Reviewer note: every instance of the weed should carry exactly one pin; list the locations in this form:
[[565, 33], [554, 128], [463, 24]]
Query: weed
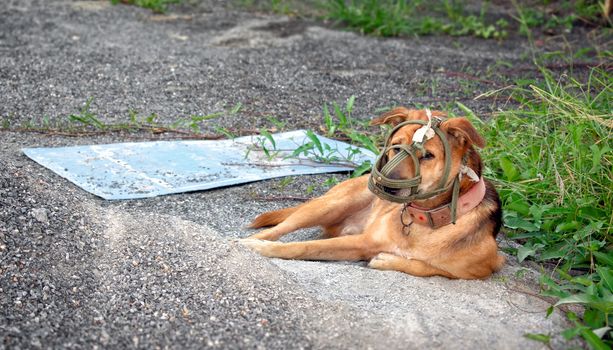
[[395, 17], [338, 124], [267, 144], [419, 17], [279, 125], [331, 181], [310, 189], [284, 182], [87, 118], [557, 16], [193, 122], [402, 18], [87, 122], [227, 133], [280, 6], [543, 338], [553, 159], [159, 6]]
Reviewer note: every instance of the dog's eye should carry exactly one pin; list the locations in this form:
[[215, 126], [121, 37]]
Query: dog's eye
[[426, 156]]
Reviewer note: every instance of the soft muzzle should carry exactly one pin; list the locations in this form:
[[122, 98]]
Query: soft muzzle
[[407, 190], [390, 189]]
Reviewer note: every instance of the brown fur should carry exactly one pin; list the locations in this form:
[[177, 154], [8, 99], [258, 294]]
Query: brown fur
[[272, 218], [363, 227]]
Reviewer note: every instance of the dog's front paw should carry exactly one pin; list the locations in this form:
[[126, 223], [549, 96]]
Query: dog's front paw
[[268, 235], [259, 246], [384, 261]]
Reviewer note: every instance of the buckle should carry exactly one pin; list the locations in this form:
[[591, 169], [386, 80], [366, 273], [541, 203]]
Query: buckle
[[439, 217]]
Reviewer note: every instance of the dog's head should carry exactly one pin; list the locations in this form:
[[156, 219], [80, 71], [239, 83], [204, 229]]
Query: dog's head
[[460, 134]]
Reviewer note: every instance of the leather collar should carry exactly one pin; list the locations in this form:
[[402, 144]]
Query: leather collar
[[441, 216]]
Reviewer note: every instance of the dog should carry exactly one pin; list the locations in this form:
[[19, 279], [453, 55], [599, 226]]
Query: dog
[[396, 227]]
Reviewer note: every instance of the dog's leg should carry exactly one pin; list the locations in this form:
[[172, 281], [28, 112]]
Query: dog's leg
[[302, 216], [354, 247], [385, 261], [316, 212], [332, 208]]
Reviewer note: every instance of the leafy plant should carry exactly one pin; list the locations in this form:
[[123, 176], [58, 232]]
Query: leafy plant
[[553, 157], [338, 124], [86, 117], [267, 144]]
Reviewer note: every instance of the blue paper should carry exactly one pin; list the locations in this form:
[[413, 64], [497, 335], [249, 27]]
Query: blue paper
[[147, 169]]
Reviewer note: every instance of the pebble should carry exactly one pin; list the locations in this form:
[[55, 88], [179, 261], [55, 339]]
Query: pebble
[[40, 214]]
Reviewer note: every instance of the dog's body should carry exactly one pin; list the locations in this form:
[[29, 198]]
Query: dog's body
[[361, 226]]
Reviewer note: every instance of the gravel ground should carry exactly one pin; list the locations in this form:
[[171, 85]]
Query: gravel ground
[[58, 54], [80, 272]]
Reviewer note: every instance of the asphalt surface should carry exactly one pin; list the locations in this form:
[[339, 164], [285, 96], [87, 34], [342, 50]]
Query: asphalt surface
[[79, 272]]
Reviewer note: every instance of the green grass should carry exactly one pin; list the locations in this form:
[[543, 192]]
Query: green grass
[[553, 160], [159, 6], [419, 17], [404, 18], [559, 16], [392, 17]]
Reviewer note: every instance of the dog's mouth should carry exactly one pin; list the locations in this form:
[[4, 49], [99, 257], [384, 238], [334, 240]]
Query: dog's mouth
[[396, 191], [392, 191]]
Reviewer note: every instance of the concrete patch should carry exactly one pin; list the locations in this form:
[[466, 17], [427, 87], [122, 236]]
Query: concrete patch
[[257, 33], [91, 5], [432, 312]]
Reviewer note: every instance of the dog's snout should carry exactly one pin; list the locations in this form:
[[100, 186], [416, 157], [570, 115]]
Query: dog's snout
[[392, 191]]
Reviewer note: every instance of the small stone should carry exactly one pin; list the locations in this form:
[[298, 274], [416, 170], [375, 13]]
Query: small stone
[[104, 337], [36, 343], [40, 214]]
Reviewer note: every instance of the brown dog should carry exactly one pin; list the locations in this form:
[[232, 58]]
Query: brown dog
[[416, 238]]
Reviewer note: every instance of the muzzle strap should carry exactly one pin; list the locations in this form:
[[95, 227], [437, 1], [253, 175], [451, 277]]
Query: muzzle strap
[[387, 188]]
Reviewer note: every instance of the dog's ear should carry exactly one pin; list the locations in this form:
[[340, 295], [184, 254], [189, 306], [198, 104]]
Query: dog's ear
[[464, 131], [401, 114], [393, 117]]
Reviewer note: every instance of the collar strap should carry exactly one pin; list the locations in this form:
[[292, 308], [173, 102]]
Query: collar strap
[[445, 215]]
